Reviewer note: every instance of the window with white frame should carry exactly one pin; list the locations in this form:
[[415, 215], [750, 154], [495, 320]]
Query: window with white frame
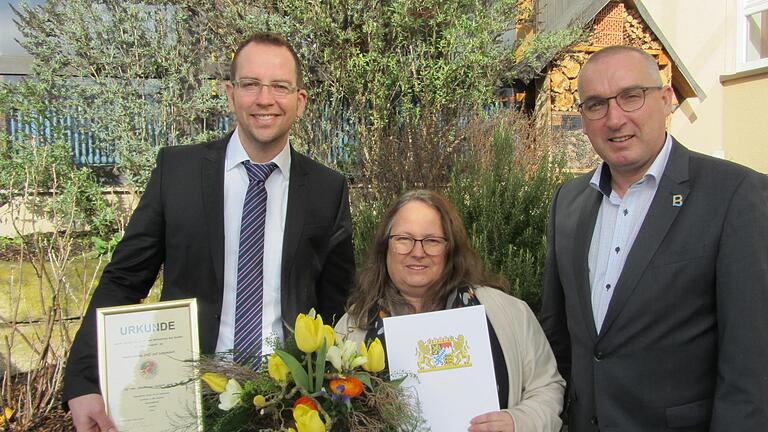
[[752, 36]]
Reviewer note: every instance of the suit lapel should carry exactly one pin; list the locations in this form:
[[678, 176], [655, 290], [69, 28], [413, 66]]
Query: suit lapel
[[583, 239], [674, 185], [294, 215], [213, 203]]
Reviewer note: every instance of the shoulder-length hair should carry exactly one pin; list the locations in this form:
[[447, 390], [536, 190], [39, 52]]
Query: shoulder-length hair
[[374, 289]]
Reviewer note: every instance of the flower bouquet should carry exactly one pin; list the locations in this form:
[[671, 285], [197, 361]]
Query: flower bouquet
[[312, 383]]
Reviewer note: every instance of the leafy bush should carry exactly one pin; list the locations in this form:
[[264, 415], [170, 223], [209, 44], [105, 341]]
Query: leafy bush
[[144, 76], [502, 187], [501, 182]]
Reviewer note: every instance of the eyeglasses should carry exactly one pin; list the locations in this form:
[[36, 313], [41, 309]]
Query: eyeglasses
[[404, 244], [631, 99], [253, 86]]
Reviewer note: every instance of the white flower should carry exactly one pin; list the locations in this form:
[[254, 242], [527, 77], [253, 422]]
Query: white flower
[[348, 350], [351, 355], [334, 356], [358, 361], [344, 356], [231, 395]]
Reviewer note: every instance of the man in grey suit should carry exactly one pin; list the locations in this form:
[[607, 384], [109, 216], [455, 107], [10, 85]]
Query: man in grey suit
[[655, 296], [189, 222]]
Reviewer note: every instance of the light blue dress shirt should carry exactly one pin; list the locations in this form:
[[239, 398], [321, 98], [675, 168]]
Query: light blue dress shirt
[[618, 221]]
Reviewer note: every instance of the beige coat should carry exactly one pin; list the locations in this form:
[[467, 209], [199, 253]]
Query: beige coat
[[535, 387]]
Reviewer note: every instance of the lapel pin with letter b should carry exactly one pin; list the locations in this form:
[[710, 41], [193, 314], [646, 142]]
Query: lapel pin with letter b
[[677, 200]]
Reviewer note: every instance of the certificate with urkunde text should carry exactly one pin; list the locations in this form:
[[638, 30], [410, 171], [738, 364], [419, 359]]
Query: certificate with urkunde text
[[447, 358], [147, 355]]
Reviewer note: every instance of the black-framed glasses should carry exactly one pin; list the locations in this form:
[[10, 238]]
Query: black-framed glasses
[[252, 86], [404, 244], [631, 99]]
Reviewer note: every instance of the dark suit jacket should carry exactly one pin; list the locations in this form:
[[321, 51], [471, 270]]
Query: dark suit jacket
[[685, 339], [179, 225]]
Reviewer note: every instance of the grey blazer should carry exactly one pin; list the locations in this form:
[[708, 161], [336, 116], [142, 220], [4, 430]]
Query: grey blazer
[[685, 339], [179, 225]]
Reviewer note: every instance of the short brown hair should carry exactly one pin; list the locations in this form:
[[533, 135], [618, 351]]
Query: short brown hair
[[463, 265], [650, 62], [268, 38]]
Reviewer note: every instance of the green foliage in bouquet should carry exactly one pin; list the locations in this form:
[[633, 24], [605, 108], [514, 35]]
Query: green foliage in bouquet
[[312, 383]]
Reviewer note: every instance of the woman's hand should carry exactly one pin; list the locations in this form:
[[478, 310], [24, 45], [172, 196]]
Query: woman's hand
[[495, 421]]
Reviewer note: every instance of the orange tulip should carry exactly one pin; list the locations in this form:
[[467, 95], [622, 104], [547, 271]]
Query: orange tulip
[[349, 386], [305, 400]]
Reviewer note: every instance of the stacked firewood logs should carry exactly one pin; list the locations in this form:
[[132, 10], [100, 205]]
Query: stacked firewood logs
[[562, 81], [637, 34]]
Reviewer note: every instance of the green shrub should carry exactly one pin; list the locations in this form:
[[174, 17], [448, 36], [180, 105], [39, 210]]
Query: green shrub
[[501, 183], [502, 187]]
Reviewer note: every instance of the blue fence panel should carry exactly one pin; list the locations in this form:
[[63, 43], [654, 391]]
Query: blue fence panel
[[85, 148], [44, 128]]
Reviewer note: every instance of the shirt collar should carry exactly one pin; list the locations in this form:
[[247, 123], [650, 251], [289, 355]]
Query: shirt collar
[[601, 179], [236, 155]]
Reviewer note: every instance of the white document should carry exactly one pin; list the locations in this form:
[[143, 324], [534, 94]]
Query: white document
[[146, 380], [449, 356]]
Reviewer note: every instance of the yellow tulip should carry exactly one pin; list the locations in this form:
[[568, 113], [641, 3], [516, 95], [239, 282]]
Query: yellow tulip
[[6, 416], [259, 401], [217, 382], [375, 354], [307, 419], [309, 332], [329, 335], [277, 368]]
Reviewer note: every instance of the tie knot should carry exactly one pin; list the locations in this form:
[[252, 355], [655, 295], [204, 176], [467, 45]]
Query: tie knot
[[259, 172]]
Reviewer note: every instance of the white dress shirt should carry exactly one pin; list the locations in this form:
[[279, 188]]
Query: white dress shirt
[[618, 221], [235, 186]]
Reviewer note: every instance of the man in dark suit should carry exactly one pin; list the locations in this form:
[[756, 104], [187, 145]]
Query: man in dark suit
[[188, 221], [655, 293]]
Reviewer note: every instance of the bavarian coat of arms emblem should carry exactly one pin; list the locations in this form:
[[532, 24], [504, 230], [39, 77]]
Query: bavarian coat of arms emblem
[[448, 352]]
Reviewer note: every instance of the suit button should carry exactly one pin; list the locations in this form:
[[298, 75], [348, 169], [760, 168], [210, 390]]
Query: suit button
[[599, 355], [593, 420], [217, 316]]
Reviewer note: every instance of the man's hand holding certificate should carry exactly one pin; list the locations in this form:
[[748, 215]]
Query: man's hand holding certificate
[[144, 366]]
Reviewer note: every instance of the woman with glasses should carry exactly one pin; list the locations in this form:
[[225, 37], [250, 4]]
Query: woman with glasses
[[421, 261]]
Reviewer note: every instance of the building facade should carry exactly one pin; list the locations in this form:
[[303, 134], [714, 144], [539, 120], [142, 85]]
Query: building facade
[[714, 54]]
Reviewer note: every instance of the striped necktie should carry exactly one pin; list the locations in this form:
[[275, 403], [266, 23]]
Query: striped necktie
[[250, 266]]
